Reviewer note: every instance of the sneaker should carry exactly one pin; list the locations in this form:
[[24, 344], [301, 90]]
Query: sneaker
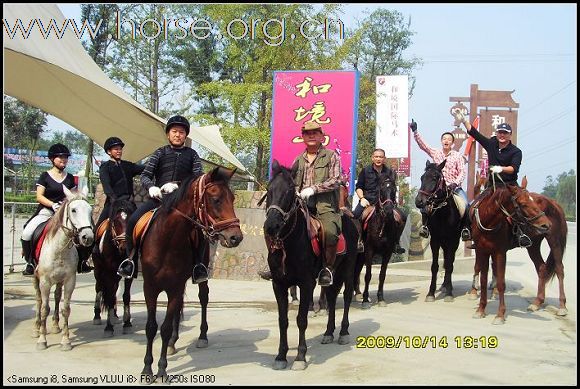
[[325, 277], [199, 274], [265, 274], [424, 233], [399, 249], [126, 268], [360, 246], [29, 270], [465, 234], [524, 241]]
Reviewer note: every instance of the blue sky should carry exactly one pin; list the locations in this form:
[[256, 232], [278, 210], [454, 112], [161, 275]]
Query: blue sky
[[529, 48]]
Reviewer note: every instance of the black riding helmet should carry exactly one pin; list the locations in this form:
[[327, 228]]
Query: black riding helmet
[[112, 142], [177, 120], [58, 149]]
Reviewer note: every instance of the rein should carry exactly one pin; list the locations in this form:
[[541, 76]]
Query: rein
[[74, 232], [276, 242], [431, 205]]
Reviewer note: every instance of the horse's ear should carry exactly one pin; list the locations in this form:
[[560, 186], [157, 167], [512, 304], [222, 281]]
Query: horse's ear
[[85, 191], [427, 164], [221, 174], [294, 170], [442, 165], [275, 167], [69, 195], [525, 182]]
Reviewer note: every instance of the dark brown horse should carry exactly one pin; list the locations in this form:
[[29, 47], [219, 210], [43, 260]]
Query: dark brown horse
[[556, 237], [108, 253], [292, 261], [492, 217], [200, 210], [384, 230]]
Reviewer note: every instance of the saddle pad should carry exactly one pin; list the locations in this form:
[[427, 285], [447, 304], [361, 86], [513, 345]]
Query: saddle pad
[[340, 249], [460, 202], [366, 216], [38, 246], [142, 225], [102, 228]]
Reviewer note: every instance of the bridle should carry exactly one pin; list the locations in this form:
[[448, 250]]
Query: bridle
[[201, 218], [434, 202], [117, 238], [73, 232]]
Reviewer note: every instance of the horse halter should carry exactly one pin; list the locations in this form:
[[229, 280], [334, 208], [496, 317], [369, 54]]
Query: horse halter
[[285, 217], [432, 196], [209, 226], [74, 232], [518, 215], [117, 238]]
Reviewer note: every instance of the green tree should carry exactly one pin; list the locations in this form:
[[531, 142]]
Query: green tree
[[550, 188], [566, 193]]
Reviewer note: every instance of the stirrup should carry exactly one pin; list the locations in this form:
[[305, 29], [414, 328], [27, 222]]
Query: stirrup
[[320, 275], [465, 235], [524, 241], [201, 276], [121, 269], [399, 249], [424, 233]]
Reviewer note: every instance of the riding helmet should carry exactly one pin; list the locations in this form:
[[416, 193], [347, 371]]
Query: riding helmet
[[112, 142], [177, 120], [58, 149]]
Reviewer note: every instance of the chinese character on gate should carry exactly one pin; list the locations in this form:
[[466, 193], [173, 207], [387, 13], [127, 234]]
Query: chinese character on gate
[[306, 85]]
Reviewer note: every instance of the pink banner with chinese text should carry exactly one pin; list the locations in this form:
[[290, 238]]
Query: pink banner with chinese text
[[329, 98]]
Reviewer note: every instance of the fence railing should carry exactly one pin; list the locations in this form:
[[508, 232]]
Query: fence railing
[[15, 215]]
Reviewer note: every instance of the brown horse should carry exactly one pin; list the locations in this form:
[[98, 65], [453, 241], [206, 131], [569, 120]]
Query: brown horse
[[556, 238], [492, 232], [108, 253], [201, 210]]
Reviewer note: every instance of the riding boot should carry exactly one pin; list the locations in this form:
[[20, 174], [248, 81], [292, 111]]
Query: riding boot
[[466, 231], [27, 254], [84, 254], [358, 224], [200, 273], [325, 275]]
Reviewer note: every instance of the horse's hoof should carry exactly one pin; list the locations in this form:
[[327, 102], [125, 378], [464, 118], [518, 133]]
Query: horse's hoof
[[41, 346], [344, 339], [311, 314], [449, 299], [326, 339], [295, 302], [382, 303], [55, 330], [366, 305], [299, 365], [533, 307], [201, 343], [170, 350], [472, 295], [108, 333], [115, 320], [97, 322], [322, 312], [562, 312], [478, 315], [280, 365], [65, 347], [442, 289], [147, 378], [35, 333], [498, 320], [358, 297], [429, 299], [493, 296]]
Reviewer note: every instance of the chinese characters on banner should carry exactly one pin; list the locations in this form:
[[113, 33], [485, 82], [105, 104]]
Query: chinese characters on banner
[[329, 98], [392, 113]]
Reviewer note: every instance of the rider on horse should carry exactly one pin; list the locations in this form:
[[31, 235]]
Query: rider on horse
[[165, 170], [504, 160], [454, 170], [50, 195], [367, 186], [116, 176]]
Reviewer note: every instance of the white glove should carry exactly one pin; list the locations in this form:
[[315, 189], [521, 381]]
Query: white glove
[[364, 202], [155, 193], [169, 187], [459, 117], [496, 169], [306, 193], [55, 206]]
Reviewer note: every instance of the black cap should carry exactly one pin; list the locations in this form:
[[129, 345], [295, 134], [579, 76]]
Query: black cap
[[504, 127], [177, 120], [112, 142]]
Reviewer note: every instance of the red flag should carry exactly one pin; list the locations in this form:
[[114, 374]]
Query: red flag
[[470, 141]]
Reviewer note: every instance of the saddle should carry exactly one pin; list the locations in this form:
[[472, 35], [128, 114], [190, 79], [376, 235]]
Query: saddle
[[370, 211], [316, 231], [37, 239], [143, 225], [460, 203]]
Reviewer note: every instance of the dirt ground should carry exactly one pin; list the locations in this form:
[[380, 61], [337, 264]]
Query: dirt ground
[[434, 339]]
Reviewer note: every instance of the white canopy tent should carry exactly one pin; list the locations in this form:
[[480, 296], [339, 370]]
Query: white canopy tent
[[57, 75]]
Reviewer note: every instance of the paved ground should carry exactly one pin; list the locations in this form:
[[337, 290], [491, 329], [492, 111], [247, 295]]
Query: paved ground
[[533, 348]]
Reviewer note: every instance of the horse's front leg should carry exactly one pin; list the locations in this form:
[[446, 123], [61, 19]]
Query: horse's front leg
[[448, 261], [344, 337], [330, 292], [306, 293], [434, 244], [151, 297], [369, 252], [382, 275], [44, 287], [69, 286], [500, 261], [281, 293], [360, 260], [97, 307], [174, 305], [37, 320], [55, 317], [127, 326], [482, 260], [203, 294]]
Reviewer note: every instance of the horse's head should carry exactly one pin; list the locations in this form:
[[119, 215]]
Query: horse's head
[[387, 192], [281, 199], [120, 212], [75, 216], [433, 187], [526, 210]]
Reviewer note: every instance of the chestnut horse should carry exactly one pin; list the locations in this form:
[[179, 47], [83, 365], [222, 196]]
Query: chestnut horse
[[492, 233], [444, 223], [556, 237], [201, 210], [108, 253], [292, 261]]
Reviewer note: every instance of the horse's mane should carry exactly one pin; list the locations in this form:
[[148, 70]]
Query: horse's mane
[[170, 201]]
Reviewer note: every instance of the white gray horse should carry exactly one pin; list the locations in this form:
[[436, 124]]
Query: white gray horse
[[71, 225]]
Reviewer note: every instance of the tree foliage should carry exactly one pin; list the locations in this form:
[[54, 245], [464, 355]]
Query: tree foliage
[[563, 190]]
